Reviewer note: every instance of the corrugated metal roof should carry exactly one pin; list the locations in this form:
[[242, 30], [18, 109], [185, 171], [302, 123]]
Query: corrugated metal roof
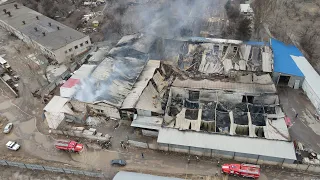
[[84, 71], [159, 80], [150, 100], [276, 129], [111, 81], [147, 73], [283, 62], [311, 76], [57, 104], [147, 122], [138, 42], [255, 146], [249, 88], [122, 175], [69, 88], [54, 38], [70, 83]]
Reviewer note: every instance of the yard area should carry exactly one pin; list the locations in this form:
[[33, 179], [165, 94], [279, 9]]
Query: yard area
[[305, 128]]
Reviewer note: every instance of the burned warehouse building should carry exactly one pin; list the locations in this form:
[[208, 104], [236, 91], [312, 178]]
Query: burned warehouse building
[[204, 96]]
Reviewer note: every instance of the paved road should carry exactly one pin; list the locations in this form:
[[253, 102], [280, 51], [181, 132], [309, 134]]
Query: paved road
[[306, 128]]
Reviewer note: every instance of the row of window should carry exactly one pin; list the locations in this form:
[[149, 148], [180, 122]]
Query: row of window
[[76, 47]]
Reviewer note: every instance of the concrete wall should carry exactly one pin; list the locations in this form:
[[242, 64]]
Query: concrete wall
[[142, 112], [177, 148], [242, 157], [150, 133], [268, 100], [63, 53], [106, 109]]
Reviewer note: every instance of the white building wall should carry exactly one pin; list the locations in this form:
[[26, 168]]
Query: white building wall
[[64, 52], [315, 100]]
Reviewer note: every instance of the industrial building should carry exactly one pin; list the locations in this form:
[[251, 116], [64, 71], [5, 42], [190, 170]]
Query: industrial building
[[53, 39], [209, 97], [286, 72], [292, 69], [220, 102], [245, 9]]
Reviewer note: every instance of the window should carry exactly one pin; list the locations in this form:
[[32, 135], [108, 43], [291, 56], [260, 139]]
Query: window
[[81, 44], [87, 42], [76, 47], [66, 52], [70, 49]]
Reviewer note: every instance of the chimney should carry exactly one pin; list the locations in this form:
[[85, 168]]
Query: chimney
[[49, 24], [16, 6], [23, 22], [35, 28], [9, 13], [37, 17], [5, 11], [44, 34], [58, 27]]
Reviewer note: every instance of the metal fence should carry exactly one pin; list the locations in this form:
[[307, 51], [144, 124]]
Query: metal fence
[[52, 169]]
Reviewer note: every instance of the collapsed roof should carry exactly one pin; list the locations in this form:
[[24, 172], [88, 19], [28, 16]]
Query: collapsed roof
[[113, 78], [220, 56]]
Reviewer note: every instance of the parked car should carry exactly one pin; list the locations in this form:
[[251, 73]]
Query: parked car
[[118, 162], [8, 128], [14, 146]]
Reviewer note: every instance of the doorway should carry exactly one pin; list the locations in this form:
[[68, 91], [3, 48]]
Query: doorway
[[283, 80]]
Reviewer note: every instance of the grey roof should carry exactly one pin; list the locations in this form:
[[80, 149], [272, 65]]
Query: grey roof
[[254, 146], [147, 73], [250, 88], [137, 42], [54, 38], [122, 175], [111, 81], [149, 122]]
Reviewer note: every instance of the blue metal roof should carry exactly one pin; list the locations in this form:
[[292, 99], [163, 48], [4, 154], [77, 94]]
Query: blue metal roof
[[283, 63]]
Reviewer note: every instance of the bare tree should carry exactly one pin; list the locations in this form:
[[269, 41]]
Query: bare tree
[[261, 9]]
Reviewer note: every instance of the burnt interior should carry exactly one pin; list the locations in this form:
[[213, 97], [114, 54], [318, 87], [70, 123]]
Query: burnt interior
[[192, 114]]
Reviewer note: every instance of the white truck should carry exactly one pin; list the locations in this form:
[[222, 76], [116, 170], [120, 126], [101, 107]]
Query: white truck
[[14, 146]]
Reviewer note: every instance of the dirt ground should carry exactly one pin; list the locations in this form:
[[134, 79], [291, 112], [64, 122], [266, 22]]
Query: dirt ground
[[14, 173]]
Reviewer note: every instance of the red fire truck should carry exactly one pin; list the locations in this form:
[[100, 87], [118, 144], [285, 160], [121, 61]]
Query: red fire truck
[[243, 170], [68, 145]]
